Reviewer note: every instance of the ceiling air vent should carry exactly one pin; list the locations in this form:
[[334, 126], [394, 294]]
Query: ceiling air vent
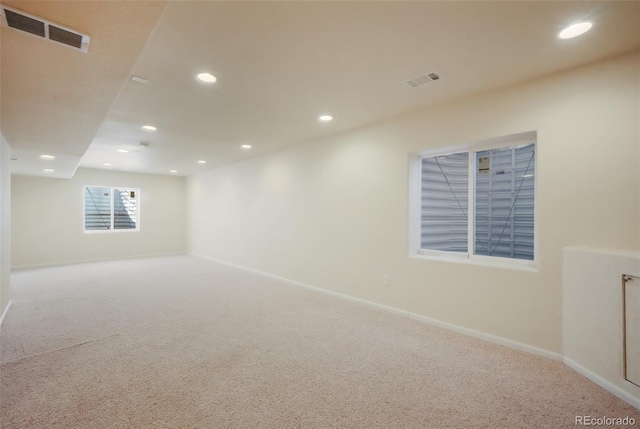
[[45, 29], [421, 80], [24, 23], [67, 37]]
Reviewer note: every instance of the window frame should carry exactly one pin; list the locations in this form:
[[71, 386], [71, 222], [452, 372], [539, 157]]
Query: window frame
[[112, 229], [415, 204]]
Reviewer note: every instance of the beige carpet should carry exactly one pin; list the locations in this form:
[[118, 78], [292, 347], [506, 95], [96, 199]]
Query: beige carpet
[[180, 342]]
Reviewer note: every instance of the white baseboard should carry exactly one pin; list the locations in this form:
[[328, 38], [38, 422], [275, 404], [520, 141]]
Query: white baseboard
[[87, 261], [489, 337], [5, 312], [634, 401], [450, 326]]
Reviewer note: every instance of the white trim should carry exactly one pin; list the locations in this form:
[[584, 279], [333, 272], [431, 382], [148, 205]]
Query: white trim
[[485, 261], [629, 398], [450, 326], [5, 312], [444, 254], [482, 145], [88, 261], [488, 337], [108, 231], [415, 202]]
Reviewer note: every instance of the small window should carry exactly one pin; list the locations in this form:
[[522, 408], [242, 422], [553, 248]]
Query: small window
[[479, 202], [109, 209]]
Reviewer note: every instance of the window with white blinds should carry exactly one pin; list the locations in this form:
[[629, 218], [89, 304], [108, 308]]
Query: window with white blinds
[[110, 209], [499, 222]]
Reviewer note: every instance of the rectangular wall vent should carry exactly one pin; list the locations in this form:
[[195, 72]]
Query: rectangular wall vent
[[67, 37], [45, 29], [24, 23], [421, 80]]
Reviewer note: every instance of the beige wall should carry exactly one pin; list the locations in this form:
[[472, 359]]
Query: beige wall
[[48, 224], [5, 223], [592, 317], [333, 213]]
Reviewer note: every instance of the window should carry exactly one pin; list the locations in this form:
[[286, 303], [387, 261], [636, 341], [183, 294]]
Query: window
[[109, 209], [479, 202], [445, 203]]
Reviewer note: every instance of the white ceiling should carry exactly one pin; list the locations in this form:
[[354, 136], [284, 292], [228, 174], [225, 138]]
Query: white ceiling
[[279, 66], [54, 98]]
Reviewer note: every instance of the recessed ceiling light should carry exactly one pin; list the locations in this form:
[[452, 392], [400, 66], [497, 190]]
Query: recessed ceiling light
[[123, 150], [173, 171], [206, 77], [325, 118], [246, 146], [149, 128], [107, 164], [575, 30], [139, 79], [47, 157], [202, 162], [48, 170]]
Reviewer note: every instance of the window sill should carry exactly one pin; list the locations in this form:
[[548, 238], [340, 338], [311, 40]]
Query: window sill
[[109, 231], [485, 261]]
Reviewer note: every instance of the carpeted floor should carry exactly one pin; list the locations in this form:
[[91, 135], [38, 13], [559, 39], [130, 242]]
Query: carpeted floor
[[180, 342]]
